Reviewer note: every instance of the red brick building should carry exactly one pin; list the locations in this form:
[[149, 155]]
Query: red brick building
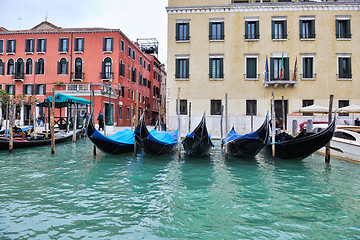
[[75, 61]]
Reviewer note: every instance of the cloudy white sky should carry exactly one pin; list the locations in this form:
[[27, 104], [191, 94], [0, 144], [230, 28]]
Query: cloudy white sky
[[136, 18]]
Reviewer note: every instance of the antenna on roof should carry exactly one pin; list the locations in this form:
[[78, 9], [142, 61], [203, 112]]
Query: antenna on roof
[[19, 21], [46, 16]]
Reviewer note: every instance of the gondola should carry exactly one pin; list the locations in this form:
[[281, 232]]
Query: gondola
[[155, 142], [250, 144], [302, 145], [120, 142], [198, 142], [41, 139]]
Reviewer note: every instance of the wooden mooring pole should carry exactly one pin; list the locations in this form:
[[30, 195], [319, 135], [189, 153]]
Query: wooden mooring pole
[[221, 126], [178, 113], [52, 131], [273, 125], [11, 122], [327, 146], [136, 120], [226, 126], [92, 99], [189, 116], [283, 113], [75, 123]]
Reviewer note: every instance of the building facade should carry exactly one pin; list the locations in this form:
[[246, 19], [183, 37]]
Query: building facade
[[302, 51], [76, 61]]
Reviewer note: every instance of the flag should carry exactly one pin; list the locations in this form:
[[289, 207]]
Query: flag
[[295, 69], [282, 67], [266, 73]]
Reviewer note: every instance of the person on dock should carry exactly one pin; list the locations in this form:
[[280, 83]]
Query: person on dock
[[357, 122], [101, 121]]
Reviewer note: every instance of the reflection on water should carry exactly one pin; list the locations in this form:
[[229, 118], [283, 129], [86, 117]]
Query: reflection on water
[[74, 194]]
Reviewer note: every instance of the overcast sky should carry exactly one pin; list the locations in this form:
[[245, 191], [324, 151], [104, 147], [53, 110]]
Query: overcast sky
[[136, 18]]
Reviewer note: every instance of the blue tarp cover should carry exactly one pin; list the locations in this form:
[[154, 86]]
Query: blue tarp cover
[[163, 137], [125, 137], [192, 134], [233, 135]]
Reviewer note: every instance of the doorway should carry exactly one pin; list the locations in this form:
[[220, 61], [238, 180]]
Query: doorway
[[279, 114], [108, 114]]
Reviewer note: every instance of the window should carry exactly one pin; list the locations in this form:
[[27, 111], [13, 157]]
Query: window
[[216, 67], [343, 103], [63, 66], [128, 95], [307, 29], [308, 67], [19, 69], [251, 68], [128, 114], [10, 67], [182, 31], [29, 66], [183, 107], [40, 89], [79, 45], [182, 68], [41, 46], [11, 46], [122, 68], [140, 61], [144, 65], [133, 55], [40, 67], [122, 45], [106, 69], [344, 67], [122, 91], [108, 44], [28, 89], [132, 95], [10, 88], [279, 29], [2, 67], [216, 30], [252, 30], [343, 29], [133, 75], [215, 107], [78, 69], [149, 68], [63, 44], [120, 112], [251, 107], [140, 79], [1, 46], [275, 69], [129, 52], [29, 45], [306, 103]]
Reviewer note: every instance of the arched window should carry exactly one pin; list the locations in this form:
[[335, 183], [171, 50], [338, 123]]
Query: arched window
[[10, 67], [2, 66], [106, 68], [40, 66], [63, 66], [29, 66], [78, 68], [19, 68]]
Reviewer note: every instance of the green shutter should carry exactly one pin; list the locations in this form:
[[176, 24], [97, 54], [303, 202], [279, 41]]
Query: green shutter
[[112, 44], [312, 29], [177, 31], [36, 68], [337, 28], [32, 89], [271, 69], [349, 67], [177, 68], [2, 68], [60, 45], [66, 67], [24, 89], [221, 67], [246, 30], [210, 68], [44, 92], [304, 67], [300, 29], [187, 31], [67, 44], [102, 68], [222, 30], [38, 45], [44, 45], [257, 30], [309, 68], [273, 30], [348, 29], [83, 44], [210, 30], [59, 67], [187, 68], [104, 42], [286, 68], [15, 46], [285, 29]]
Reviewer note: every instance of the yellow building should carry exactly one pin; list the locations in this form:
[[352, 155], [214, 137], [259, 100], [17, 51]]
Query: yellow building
[[248, 49]]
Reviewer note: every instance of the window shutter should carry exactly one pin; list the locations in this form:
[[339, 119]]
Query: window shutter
[[210, 68], [36, 89], [177, 68], [286, 68], [104, 42], [44, 45], [177, 31], [66, 67], [309, 68], [348, 29], [67, 44], [187, 68], [272, 29], [112, 45], [341, 67], [349, 67], [271, 69], [15, 46], [16, 67], [304, 68], [24, 89], [32, 89], [60, 47], [187, 31], [257, 30], [222, 30], [246, 29], [38, 45], [285, 29], [83, 44], [102, 68], [2, 66], [36, 68], [312, 29], [44, 89], [210, 30], [123, 70], [221, 67], [300, 29], [59, 67], [337, 28]]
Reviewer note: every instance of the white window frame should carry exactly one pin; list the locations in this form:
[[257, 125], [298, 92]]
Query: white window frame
[[341, 55], [307, 55], [257, 65]]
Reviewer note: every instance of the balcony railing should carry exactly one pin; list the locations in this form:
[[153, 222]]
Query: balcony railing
[[182, 38], [77, 76], [216, 76], [279, 36], [18, 76], [343, 35], [252, 36], [344, 76], [217, 37], [307, 36], [77, 87], [106, 75]]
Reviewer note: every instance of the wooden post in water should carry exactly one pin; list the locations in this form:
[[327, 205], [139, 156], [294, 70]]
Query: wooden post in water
[[7, 118], [189, 116], [221, 125], [75, 123], [178, 113], [273, 125], [52, 131], [226, 126], [136, 120], [11, 119], [327, 146], [93, 112], [283, 113], [252, 117], [34, 116]]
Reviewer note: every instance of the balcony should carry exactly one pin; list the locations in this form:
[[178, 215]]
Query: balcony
[[106, 76], [18, 77], [77, 88], [77, 76], [285, 83]]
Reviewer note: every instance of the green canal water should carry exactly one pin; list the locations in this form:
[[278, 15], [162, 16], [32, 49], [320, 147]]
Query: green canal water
[[75, 195]]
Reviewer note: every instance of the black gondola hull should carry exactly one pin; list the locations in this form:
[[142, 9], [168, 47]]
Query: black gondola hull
[[196, 148], [156, 148]]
